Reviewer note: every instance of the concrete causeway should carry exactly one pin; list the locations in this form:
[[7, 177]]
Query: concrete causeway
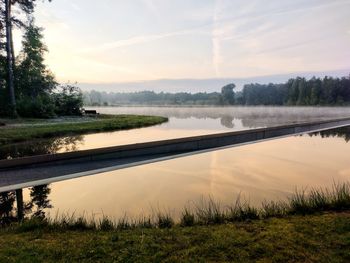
[[44, 169]]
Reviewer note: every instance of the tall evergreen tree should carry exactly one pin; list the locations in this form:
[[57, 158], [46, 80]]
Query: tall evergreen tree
[[302, 94], [34, 78], [35, 81], [7, 20], [9, 56], [228, 95]]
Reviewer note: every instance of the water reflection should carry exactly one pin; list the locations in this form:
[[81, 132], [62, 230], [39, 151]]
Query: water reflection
[[40, 200], [36, 206], [250, 117], [264, 171], [227, 121], [339, 133], [38, 147], [183, 122], [7, 208]]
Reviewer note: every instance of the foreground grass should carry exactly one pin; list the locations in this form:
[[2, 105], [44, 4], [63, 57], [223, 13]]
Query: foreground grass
[[314, 238], [30, 129], [313, 227]]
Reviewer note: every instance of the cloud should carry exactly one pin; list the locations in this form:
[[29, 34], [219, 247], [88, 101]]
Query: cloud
[[151, 6], [75, 7], [141, 39], [216, 41], [219, 38]]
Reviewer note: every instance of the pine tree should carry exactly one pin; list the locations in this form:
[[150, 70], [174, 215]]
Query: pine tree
[[34, 78]]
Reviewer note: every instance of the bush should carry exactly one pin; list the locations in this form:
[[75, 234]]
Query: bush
[[69, 101], [40, 107], [3, 102]]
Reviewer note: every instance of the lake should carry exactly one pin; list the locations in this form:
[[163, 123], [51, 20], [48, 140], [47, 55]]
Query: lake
[[270, 170], [183, 122]]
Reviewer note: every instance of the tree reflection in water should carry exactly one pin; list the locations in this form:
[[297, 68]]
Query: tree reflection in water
[[339, 133], [39, 147], [35, 207], [40, 200], [7, 210], [39, 195], [227, 121]]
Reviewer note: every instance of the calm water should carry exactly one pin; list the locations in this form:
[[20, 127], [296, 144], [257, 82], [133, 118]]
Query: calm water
[[268, 170], [264, 171], [183, 122]]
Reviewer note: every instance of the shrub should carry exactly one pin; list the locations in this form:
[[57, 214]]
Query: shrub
[[40, 107], [69, 101]]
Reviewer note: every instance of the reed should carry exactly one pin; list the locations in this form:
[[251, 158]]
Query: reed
[[206, 212]]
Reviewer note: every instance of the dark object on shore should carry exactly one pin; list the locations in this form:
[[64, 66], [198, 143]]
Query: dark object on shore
[[91, 112], [2, 124]]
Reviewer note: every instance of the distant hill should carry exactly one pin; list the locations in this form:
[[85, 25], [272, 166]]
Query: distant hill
[[201, 85]]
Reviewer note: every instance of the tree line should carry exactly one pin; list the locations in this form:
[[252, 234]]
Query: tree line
[[96, 98], [27, 87], [327, 91], [299, 91]]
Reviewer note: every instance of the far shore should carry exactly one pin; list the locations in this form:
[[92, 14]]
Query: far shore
[[213, 106], [20, 130]]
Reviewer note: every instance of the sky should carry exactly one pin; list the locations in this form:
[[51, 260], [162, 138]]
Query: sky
[[110, 41]]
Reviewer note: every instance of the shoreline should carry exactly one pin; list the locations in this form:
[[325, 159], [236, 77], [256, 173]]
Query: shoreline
[[293, 230], [16, 131]]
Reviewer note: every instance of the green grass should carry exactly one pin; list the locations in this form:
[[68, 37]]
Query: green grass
[[45, 129], [308, 227], [314, 238], [206, 212]]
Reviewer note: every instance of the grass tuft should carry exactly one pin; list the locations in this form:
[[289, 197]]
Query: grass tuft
[[164, 220], [209, 212], [205, 212], [187, 217], [273, 209], [242, 211], [106, 224]]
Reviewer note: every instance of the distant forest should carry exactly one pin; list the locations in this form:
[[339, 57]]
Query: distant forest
[[295, 92]]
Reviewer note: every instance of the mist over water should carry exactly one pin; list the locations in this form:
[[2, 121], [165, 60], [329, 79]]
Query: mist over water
[[270, 170], [264, 171], [251, 117], [183, 122]]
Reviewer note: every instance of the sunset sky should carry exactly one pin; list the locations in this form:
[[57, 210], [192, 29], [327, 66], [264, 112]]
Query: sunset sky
[[131, 40]]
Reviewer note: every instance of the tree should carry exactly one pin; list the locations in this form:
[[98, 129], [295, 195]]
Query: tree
[[298, 91], [293, 91], [9, 56], [35, 82], [316, 91], [6, 21], [34, 78], [302, 94], [228, 95], [69, 101]]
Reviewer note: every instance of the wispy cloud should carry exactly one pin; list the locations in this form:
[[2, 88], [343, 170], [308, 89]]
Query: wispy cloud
[[191, 38], [216, 41], [151, 5], [75, 7], [135, 41]]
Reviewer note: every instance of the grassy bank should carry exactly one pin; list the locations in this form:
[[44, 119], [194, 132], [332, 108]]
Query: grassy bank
[[312, 227], [314, 238], [27, 129]]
